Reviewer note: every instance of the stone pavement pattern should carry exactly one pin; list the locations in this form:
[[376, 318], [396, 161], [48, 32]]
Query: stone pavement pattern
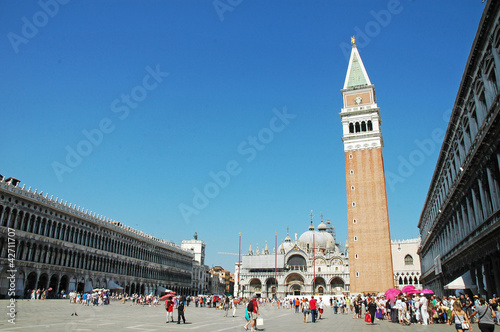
[[55, 315]]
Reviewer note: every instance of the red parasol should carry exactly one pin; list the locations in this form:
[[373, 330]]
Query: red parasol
[[165, 297]]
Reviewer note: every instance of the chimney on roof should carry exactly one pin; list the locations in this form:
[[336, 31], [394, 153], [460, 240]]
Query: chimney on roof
[[12, 181]]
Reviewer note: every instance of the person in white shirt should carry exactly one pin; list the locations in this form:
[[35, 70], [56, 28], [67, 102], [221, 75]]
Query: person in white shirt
[[423, 310], [321, 306]]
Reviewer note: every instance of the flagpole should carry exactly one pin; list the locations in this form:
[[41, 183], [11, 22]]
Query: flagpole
[[239, 267], [314, 260], [276, 259]]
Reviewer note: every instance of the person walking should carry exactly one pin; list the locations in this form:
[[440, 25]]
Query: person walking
[[372, 308], [247, 316], [321, 306], [235, 304], [313, 305], [486, 315], [225, 305], [459, 317], [306, 310], [253, 311]]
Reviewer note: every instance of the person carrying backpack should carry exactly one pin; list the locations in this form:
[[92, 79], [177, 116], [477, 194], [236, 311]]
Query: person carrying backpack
[[253, 312], [181, 307]]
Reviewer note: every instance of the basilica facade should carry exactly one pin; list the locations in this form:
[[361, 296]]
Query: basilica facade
[[311, 264]]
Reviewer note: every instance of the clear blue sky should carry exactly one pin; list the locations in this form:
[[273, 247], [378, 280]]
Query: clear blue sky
[[170, 91]]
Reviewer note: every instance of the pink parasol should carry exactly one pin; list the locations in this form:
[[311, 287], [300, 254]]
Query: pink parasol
[[426, 291], [408, 288], [392, 293], [49, 289], [413, 291]]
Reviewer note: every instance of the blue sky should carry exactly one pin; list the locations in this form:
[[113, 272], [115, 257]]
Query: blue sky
[[132, 108]]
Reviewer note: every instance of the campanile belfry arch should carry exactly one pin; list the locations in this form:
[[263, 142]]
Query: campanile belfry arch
[[367, 211]]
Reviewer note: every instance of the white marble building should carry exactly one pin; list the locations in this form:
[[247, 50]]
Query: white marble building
[[406, 263], [311, 264]]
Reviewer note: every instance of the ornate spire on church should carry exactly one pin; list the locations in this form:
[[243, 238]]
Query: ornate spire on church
[[257, 251], [196, 235], [288, 239], [266, 250], [250, 251], [311, 227]]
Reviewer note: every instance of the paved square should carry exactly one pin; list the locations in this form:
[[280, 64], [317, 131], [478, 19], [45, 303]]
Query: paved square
[[56, 315]]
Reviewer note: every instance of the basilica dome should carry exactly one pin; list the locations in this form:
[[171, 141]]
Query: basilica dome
[[311, 239], [286, 246]]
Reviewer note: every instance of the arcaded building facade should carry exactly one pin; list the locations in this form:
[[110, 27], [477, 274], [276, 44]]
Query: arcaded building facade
[[59, 246], [367, 210], [459, 224]]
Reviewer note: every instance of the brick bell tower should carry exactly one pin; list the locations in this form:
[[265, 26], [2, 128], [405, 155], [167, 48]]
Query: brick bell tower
[[370, 258]]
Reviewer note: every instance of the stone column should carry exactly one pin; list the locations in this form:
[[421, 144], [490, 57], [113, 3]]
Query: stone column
[[480, 279], [489, 89], [490, 283], [475, 207], [494, 190], [473, 275], [7, 218], [480, 109], [2, 213], [12, 220], [467, 139], [496, 58], [484, 202], [472, 126], [496, 272]]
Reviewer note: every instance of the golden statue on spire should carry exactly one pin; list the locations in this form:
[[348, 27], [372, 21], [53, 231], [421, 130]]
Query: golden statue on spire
[[353, 40]]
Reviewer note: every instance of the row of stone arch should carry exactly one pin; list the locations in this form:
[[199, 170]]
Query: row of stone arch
[[59, 230], [60, 283], [73, 258], [408, 280], [360, 126], [294, 283]]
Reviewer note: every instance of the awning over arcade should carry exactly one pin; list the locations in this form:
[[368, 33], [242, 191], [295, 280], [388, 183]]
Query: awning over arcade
[[113, 285], [162, 289], [462, 282]]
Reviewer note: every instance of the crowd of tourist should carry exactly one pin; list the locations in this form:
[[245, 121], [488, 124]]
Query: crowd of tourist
[[459, 311], [405, 310]]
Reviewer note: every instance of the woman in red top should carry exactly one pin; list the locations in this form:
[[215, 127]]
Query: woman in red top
[[169, 305]]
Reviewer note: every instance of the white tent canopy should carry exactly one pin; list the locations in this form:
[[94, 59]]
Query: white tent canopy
[[162, 289], [462, 282], [114, 285]]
